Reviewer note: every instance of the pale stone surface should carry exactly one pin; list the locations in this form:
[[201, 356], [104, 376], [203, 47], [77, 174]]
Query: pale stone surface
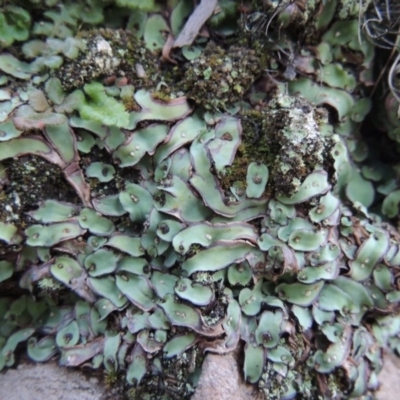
[[221, 380], [48, 382], [390, 379]]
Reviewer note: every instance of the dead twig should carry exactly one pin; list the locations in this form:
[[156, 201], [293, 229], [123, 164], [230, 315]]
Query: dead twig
[[193, 25]]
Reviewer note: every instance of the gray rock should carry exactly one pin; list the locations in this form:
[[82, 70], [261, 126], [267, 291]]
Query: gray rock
[[48, 382], [221, 379], [389, 378]]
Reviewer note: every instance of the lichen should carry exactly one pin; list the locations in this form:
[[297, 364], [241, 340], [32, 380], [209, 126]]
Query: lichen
[[286, 137], [294, 131], [108, 53]]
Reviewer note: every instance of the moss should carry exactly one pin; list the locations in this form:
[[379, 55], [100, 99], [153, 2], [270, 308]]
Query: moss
[[194, 249], [112, 379], [49, 286], [130, 104], [283, 135], [32, 180], [300, 376], [121, 177], [177, 382], [255, 147], [293, 131], [219, 78], [100, 107], [270, 137], [163, 95], [109, 52]]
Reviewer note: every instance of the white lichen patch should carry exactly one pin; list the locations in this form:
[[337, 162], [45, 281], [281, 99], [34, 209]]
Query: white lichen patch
[[103, 46], [98, 60], [104, 57], [295, 133]]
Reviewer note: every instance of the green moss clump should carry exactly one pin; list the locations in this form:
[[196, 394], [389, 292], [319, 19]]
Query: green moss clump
[[219, 78], [254, 148], [34, 180], [109, 53], [285, 137], [49, 286], [101, 107], [178, 380]]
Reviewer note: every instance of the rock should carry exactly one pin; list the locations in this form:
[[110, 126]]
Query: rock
[[49, 382], [221, 379], [389, 378]]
